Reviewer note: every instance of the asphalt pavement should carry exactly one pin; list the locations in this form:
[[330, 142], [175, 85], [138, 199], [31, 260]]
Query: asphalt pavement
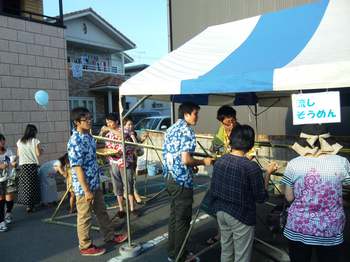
[[31, 239]]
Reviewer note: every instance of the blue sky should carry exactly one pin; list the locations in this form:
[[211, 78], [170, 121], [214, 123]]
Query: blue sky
[[143, 21]]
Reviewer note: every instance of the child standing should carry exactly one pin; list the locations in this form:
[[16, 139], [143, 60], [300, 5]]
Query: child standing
[[7, 186], [66, 171], [86, 183]]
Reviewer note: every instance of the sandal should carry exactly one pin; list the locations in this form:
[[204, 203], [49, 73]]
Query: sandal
[[141, 203]]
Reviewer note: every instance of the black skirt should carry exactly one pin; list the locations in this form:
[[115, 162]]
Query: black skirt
[[28, 185]]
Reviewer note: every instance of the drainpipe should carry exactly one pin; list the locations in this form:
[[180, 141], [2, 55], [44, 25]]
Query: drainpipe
[[61, 12], [170, 27], [110, 102]]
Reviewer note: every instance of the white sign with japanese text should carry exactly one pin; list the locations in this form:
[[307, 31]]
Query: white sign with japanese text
[[316, 108]]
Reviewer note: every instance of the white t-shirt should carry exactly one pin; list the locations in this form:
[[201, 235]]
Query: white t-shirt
[[26, 152]]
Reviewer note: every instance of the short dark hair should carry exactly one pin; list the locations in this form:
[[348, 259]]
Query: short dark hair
[[29, 133], [224, 112], [242, 138], [77, 113], [2, 137], [113, 117], [187, 108], [126, 119]]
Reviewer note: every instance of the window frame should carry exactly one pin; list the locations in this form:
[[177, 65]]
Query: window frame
[[87, 99]]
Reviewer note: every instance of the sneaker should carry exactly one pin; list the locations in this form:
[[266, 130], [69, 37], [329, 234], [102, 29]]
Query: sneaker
[[92, 251], [8, 218], [3, 226], [119, 238]]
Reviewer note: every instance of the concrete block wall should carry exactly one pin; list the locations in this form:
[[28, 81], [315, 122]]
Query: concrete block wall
[[32, 58]]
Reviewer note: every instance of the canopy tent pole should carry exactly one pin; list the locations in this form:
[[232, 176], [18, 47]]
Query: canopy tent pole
[[256, 119], [124, 168], [172, 112], [129, 250]]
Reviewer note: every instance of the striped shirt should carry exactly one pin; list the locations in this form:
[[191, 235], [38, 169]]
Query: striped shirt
[[316, 216]]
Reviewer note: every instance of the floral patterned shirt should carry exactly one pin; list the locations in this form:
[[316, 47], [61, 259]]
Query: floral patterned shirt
[[179, 138], [316, 216], [82, 152], [129, 150]]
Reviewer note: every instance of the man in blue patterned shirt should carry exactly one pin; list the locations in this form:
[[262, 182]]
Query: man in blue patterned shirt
[[86, 184], [178, 165]]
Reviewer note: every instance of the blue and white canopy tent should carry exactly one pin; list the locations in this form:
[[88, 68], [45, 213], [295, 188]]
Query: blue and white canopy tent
[[302, 48], [272, 55]]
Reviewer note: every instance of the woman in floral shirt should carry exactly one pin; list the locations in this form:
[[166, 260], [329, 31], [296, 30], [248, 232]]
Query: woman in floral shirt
[[117, 166], [314, 182]]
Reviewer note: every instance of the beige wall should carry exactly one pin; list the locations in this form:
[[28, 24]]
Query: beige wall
[[190, 17], [32, 57], [35, 6]]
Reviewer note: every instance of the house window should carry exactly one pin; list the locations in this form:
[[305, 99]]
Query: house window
[[84, 28], [157, 105], [87, 102]]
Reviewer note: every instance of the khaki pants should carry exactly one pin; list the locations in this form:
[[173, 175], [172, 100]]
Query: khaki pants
[[84, 217]]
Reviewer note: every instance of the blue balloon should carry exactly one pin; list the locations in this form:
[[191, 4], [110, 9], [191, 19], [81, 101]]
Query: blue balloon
[[42, 98]]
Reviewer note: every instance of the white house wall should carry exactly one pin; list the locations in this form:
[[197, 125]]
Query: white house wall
[[94, 35], [117, 61]]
